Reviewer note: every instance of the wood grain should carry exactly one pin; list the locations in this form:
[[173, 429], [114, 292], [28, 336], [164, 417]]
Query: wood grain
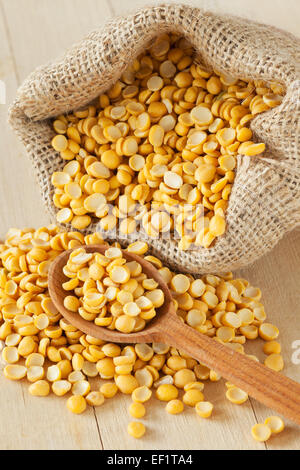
[[16, 179], [47, 27], [31, 33]]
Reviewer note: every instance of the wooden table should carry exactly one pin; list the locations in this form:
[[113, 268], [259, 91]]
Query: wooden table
[[31, 33]]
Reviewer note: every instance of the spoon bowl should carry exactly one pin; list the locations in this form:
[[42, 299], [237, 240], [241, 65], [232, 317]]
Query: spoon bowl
[[58, 294], [265, 385]]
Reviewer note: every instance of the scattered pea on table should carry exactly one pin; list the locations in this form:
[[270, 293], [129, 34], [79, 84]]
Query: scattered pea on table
[[40, 346]]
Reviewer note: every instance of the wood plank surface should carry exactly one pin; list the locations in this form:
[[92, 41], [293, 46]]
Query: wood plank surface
[[31, 33], [19, 196]]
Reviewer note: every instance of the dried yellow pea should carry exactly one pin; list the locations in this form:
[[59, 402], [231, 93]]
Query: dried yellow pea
[[174, 407], [236, 395], [204, 409], [15, 372], [41, 388], [275, 423], [261, 432], [76, 404], [136, 429], [137, 410]]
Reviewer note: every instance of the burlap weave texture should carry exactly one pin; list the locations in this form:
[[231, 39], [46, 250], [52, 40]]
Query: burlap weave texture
[[265, 200]]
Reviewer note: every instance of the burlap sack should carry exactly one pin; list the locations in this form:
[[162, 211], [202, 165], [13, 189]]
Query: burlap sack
[[265, 200]]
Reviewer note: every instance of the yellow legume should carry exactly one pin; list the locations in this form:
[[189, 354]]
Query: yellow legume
[[268, 332], [60, 143], [137, 410], [236, 395], [41, 388], [275, 423], [61, 387], [192, 397], [136, 429], [204, 409], [95, 398], [274, 361], [183, 377], [166, 392], [272, 347], [82, 387], [10, 354], [126, 383], [261, 432], [35, 373], [174, 407], [15, 372], [71, 303], [76, 404], [141, 394]]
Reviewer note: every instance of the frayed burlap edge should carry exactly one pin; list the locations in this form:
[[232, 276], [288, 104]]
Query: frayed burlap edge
[[265, 200]]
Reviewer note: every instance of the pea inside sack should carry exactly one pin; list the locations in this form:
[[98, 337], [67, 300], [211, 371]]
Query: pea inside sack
[[158, 152]]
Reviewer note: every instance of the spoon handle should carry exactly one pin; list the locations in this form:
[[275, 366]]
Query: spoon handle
[[265, 385]]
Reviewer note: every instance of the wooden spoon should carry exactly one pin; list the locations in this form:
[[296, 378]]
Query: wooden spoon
[[270, 388]]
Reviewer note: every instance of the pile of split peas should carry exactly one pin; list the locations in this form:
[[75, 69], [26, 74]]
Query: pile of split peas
[[110, 291], [158, 151], [39, 345]]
